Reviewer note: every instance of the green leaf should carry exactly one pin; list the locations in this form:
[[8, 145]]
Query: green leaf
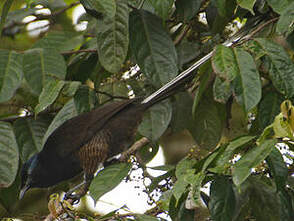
[[49, 94], [116, 88], [60, 41], [279, 5], [282, 67], [247, 85], [187, 9], [221, 90], [269, 108], [247, 4], [224, 63], [4, 13], [152, 47], [222, 199], [144, 217], [285, 23], [184, 165], [156, 120], [281, 127], [162, 8], [113, 38], [187, 51], [108, 178], [227, 155], [68, 111], [242, 169], [85, 99], [9, 155], [209, 122], [41, 65], [10, 73], [106, 7], [29, 134], [278, 168]]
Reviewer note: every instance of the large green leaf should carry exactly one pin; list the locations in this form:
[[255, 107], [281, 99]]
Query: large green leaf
[[269, 108], [106, 7], [85, 99], [247, 84], [222, 199], [29, 134], [209, 121], [68, 111], [286, 20], [278, 168], [10, 73], [152, 47], [242, 169], [60, 41], [113, 38], [156, 120], [49, 94], [247, 4], [108, 178], [221, 90], [282, 67], [41, 65], [279, 5], [162, 8], [224, 63], [9, 155], [187, 9]]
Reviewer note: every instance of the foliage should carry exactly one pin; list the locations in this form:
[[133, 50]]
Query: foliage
[[237, 111]]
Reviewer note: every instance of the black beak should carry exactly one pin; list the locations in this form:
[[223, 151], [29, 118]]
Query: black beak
[[23, 191]]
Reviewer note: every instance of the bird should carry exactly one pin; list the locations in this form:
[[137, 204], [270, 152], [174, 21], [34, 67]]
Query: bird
[[84, 142]]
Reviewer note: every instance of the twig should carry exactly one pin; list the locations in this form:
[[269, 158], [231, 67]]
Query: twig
[[182, 35], [135, 147], [260, 27]]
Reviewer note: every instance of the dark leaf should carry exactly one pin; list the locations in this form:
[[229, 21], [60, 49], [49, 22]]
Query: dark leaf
[[187, 9], [9, 155], [108, 178], [85, 99], [4, 14], [221, 90], [152, 47]]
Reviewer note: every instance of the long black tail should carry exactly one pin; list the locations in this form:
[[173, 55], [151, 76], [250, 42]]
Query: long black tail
[[170, 88]]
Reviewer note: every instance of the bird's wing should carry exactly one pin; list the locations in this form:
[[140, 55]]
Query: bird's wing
[[77, 131]]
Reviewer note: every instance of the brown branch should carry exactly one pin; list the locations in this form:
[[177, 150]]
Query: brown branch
[[260, 27], [134, 148], [182, 35]]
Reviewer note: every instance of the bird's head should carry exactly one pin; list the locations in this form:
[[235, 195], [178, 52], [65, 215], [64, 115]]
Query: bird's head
[[30, 175]]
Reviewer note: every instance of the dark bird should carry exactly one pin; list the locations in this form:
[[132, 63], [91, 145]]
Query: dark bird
[[85, 141]]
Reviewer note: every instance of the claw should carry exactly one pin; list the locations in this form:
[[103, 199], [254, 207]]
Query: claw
[[74, 197]]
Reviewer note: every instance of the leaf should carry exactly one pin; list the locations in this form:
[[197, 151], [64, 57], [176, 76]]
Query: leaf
[[113, 38], [41, 65], [187, 51], [162, 8], [209, 122], [187, 9], [106, 7], [156, 120], [85, 99], [281, 127], [269, 108], [278, 168], [247, 85], [4, 14], [68, 111], [29, 134], [278, 5], [144, 217], [227, 155], [116, 88], [9, 155], [285, 23], [221, 90], [222, 199], [49, 94], [247, 4], [108, 178], [282, 67], [242, 168], [224, 63], [152, 47], [60, 41], [10, 73]]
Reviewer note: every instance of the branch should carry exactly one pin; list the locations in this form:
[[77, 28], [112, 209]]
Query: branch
[[79, 51], [134, 148]]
